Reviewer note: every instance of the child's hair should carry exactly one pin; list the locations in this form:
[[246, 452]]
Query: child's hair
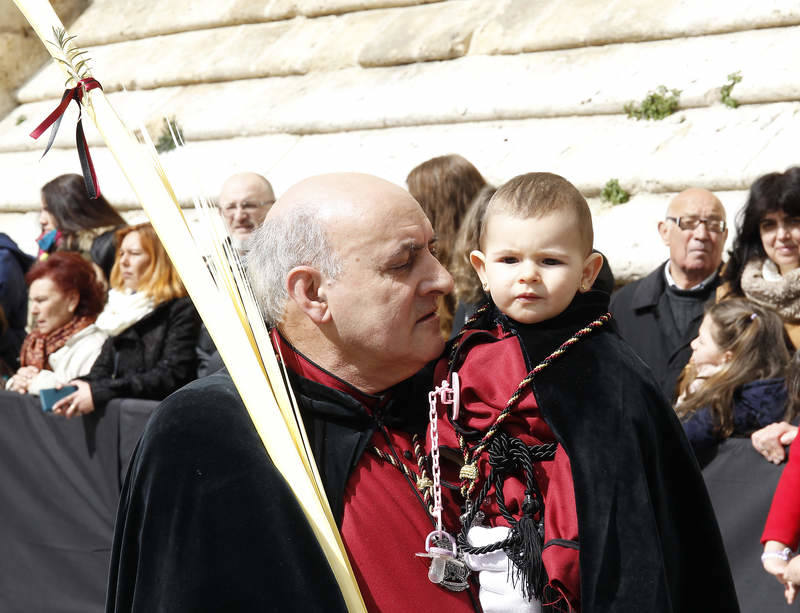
[[467, 288], [755, 337], [536, 194], [793, 387]]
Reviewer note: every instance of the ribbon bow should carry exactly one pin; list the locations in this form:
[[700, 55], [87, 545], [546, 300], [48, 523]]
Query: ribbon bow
[[76, 93]]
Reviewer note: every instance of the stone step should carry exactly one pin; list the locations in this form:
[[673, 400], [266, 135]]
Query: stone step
[[546, 84], [514, 26], [109, 21], [520, 26], [380, 38], [702, 147], [438, 31]]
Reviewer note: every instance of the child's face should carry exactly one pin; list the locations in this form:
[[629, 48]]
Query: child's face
[[705, 351], [534, 266]]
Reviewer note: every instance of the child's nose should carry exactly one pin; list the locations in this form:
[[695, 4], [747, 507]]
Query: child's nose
[[529, 273]]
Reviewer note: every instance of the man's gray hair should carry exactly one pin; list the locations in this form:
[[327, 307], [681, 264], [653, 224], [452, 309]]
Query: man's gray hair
[[284, 241]]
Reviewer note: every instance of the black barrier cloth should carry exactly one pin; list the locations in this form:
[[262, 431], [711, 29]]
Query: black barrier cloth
[[741, 484], [60, 482]]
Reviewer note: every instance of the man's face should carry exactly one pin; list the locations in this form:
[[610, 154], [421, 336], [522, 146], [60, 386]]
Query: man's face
[[533, 266], [698, 252], [244, 202], [383, 304]]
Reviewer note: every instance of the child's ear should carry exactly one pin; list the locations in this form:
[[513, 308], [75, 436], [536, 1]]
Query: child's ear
[[591, 268], [478, 261], [727, 357]]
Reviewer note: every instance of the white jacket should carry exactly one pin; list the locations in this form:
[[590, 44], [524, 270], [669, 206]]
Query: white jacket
[[74, 359]]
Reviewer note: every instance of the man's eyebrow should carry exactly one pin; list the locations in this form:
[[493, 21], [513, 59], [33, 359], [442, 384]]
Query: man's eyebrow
[[405, 247]]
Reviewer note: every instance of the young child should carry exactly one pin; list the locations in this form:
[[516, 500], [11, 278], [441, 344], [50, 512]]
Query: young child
[[735, 382], [580, 490]]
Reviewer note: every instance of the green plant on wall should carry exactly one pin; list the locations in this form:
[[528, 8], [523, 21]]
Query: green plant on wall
[[725, 90], [613, 193], [165, 141], [656, 105], [20, 119]]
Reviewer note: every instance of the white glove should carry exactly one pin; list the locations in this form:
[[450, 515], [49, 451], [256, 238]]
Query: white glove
[[497, 594]]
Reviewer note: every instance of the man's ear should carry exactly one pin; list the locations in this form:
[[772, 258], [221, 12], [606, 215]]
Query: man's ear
[[478, 261], [306, 289], [663, 230], [591, 268]]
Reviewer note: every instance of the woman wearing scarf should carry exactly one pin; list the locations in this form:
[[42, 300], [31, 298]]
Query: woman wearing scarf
[[152, 325], [764, 266], [71, 221], [65, 298]]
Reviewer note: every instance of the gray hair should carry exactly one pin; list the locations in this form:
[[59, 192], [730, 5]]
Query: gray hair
[[284, 241]]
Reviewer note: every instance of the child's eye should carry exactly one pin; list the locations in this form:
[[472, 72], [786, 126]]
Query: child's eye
[[509, 259], [551, 262]]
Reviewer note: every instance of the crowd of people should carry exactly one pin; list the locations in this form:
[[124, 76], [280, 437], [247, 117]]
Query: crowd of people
[[375, 298]]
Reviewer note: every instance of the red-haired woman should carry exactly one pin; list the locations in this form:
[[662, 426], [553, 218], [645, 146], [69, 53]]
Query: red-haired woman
[[65, 298], [153, 326]]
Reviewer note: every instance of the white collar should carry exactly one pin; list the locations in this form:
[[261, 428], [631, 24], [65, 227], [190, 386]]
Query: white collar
[[698, 287]]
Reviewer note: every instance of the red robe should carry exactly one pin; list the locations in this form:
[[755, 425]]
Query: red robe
[[489, 375], [384, 524]]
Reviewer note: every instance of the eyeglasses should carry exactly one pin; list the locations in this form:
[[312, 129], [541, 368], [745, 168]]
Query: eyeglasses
[[245, 206], [690, 223]]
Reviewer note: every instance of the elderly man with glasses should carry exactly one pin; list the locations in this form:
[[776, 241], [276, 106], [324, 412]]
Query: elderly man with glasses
[[660, 314], [244, 201]]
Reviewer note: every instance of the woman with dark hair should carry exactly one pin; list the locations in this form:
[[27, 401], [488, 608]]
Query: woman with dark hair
[[764, 264], [152, 325], [65, 299], [71, 221], [445, 187]]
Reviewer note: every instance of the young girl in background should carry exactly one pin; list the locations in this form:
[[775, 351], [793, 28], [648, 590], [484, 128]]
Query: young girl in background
[[735, 381]]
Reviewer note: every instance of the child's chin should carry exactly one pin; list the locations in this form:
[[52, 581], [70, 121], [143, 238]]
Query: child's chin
[[526, 317]]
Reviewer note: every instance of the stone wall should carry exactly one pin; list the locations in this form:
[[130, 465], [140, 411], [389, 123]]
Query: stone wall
[[291, 88]]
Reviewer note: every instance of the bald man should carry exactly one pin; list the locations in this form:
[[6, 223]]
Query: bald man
[[660, 314], [244, 200], [345, 271]]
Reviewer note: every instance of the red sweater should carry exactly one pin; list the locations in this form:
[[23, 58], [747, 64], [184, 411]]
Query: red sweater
[[783, 521], [489, 376], [384, 523]]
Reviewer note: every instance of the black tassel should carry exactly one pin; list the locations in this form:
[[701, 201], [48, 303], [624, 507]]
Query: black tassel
[[525, 552]]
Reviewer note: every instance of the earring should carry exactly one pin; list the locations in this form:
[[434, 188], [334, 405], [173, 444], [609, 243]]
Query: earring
[[485, 287], [583, 287]]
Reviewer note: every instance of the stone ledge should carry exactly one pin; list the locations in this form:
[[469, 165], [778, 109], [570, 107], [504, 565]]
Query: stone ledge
[[551, 83], [524, 26], [426, 33], [109, 21], [701, 148], [545, 84]]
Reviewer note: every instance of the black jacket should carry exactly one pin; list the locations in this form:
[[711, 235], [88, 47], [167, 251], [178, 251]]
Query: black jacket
[[755, 405], [339, 428], [150, 359], [207, 523], [13, 298], [644, 321]]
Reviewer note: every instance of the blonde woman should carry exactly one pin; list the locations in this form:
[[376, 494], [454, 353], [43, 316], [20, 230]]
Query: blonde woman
[[153, 327]]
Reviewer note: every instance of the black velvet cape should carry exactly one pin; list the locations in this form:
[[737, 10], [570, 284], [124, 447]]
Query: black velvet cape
[[206, 523], [649, 541]]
